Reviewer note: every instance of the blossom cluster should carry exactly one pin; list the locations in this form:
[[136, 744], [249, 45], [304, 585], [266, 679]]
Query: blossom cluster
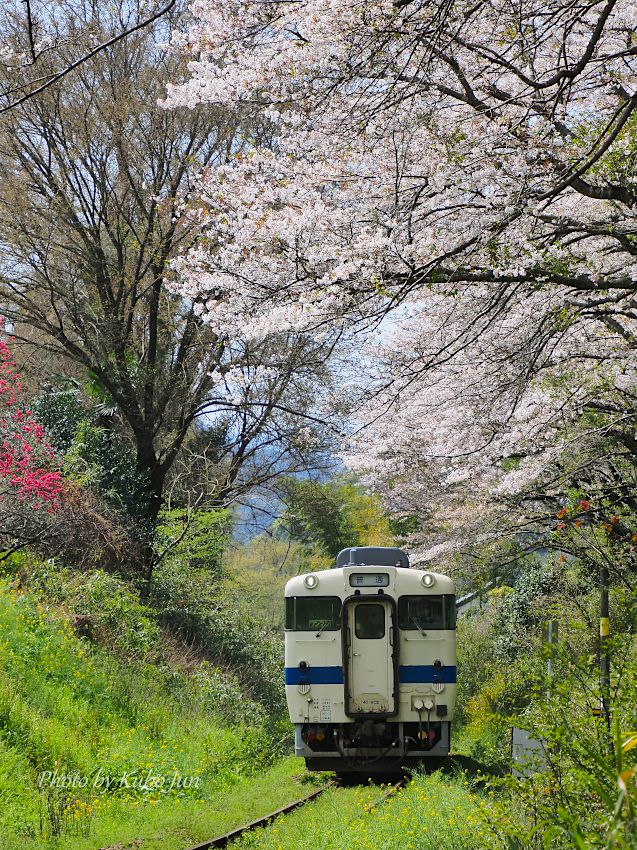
[[468, 167], [459, 429], [25, 454], [390, 154]]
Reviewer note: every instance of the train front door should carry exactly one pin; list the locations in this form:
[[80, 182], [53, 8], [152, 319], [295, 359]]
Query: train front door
[[370, 673]]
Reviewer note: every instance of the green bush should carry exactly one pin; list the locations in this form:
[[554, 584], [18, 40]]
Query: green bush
[[475, 657], [115, 615], [216, 690], [331, 515], [191, 604], [96, 456], [193, 540], [584, 795]]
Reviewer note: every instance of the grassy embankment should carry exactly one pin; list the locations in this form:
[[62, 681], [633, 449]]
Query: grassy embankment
[[72, 714]]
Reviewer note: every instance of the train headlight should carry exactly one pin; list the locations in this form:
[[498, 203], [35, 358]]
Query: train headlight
[[428, 579], [311, 581]]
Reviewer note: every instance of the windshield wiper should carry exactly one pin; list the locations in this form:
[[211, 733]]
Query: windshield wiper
[[422, 631]]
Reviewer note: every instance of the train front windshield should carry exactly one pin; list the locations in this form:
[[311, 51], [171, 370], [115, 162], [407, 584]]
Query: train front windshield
[[305, 613], [427, 612]]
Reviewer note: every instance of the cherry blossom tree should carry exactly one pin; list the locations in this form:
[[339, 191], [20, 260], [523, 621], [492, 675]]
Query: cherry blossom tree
[[419, 145], [496, 440], [469, 164]]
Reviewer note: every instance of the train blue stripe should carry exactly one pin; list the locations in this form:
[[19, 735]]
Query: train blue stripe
[[408, 674], [424, 673], [314, 676]]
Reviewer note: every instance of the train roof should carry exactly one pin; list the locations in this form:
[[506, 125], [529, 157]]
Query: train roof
[[371, 556]]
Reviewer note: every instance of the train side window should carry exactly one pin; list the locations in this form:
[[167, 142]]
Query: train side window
[[427, 612], [306, 613], [450, 611], [369, 622], [289, 612]]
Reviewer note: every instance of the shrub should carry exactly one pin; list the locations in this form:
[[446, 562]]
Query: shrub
[[194, 539], [115, 615], [191, 604], [96, 456], [220, 692]]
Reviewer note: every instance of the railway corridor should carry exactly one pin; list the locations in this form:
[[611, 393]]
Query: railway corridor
[[434, 811]]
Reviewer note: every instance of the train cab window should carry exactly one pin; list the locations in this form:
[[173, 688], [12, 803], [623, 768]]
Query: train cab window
[[427, 612], [369, 622], [306, 613]]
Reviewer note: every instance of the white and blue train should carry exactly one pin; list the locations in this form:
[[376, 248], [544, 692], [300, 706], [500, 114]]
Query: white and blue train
[[370, 663]]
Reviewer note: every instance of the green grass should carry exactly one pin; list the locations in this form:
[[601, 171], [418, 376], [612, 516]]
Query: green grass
[[431, 813], [172, 823], [72, 714]]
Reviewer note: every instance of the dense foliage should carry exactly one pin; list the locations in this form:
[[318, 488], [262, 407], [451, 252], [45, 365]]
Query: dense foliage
[[581, 792], [332, 515], [94, 453]]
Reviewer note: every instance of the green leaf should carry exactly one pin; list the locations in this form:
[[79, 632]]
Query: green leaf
[[630, 741]]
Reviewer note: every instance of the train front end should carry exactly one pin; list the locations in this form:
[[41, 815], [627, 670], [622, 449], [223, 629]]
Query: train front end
[[370, 663]]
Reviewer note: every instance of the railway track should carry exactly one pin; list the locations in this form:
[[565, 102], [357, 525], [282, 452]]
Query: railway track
[[228, 837], [386, 795]]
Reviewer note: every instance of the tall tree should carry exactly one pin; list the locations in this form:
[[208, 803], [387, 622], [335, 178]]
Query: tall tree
[[94, 179], [331, 515]]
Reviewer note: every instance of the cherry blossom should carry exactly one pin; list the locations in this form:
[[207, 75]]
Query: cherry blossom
[[467, 170], [413, 145]]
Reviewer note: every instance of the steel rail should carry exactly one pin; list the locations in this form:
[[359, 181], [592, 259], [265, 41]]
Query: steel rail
[[226, 838], [391, 790]]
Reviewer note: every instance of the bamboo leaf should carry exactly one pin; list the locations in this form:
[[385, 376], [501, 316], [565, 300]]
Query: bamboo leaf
[[630, 741]]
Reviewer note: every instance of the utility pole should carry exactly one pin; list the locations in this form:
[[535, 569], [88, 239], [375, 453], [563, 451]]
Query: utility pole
[[550, 638], [604, 650]]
